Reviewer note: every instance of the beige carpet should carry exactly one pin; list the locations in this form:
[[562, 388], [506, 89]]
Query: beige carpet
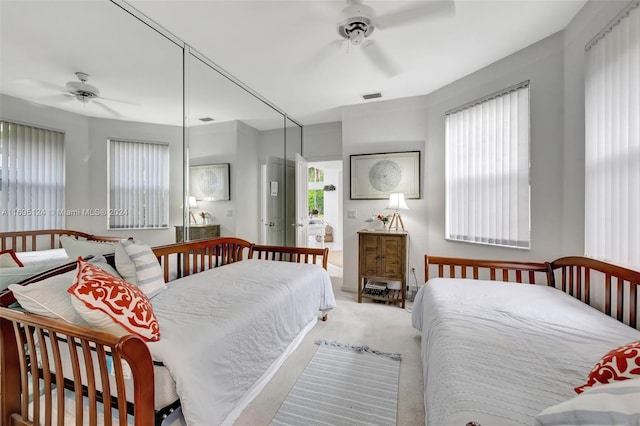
[[335, 257], [382, 327]]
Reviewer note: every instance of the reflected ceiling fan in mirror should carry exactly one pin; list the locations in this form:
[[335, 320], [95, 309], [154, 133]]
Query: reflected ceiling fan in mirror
[[81, 90], [357, 22], [85, 92]]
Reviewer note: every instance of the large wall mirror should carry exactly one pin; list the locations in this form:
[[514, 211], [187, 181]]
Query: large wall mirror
[[231, 155]]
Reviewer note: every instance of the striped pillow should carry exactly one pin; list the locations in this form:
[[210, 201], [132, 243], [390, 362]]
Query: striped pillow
[[615, 403], [148, 273]]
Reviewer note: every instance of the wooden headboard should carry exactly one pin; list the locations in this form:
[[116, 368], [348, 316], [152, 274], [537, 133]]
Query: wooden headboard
[[609, 288]]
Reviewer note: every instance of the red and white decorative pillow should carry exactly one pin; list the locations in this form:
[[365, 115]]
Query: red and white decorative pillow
[[621, 363], [111, 304], [9, 259]]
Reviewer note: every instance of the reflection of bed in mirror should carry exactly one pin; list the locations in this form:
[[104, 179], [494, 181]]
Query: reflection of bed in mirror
[[40, 250]]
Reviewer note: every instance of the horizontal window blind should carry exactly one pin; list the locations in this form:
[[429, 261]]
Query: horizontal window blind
[[138, 184], [487, 170], [32, 177], [612, 144]]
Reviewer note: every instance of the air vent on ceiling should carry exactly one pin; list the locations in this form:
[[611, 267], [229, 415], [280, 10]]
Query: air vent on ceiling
[[372, 96], [205, 119]]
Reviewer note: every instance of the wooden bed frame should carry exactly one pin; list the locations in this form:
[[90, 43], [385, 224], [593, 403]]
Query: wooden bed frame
[[20, 331], [45, 239], [609, 288]]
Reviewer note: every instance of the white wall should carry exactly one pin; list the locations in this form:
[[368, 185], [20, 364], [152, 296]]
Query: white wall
[[418, 123], [247, 184], [322, 142], [396, 125], [213, 144]]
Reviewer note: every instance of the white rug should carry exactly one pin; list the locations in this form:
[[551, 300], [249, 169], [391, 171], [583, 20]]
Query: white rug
[[344, 385]]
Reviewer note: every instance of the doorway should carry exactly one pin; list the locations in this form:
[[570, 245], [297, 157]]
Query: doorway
[[325, 208]]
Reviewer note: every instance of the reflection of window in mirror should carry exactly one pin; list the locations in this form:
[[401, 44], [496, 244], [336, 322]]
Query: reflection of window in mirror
[[32, 160], [138, 184], [316, 192]]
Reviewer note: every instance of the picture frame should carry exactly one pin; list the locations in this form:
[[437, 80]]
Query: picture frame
[[210, 182], [375, 176]]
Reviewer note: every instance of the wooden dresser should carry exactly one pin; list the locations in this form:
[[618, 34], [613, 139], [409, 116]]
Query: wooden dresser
[[382, 257], [198, 232]]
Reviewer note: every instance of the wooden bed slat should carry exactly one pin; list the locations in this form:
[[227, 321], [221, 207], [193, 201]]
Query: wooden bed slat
[[19, 331], [290, 254]]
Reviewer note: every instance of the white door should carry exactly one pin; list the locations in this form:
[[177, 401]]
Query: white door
[[302, 201], [275, 201]]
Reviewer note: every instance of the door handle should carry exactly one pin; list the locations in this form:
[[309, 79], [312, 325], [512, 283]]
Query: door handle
[[270, 224]]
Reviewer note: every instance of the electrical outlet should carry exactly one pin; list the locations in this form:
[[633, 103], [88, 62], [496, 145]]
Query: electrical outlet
[[413, 269]]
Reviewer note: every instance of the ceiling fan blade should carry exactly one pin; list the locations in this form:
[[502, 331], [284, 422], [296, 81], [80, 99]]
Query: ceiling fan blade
[[117, 100], [322, 54], [42, 85], [106, 108], [412, 14], [380, 59]]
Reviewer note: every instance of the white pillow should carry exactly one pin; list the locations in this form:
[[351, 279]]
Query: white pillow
[[125, 266], [148, 277], [49, 297], [81, 248], [17, 274], [616, 403]]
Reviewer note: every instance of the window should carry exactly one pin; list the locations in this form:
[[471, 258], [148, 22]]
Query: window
[[316, 192], [31, 178], [487, 170], [138, 185], [612, 142]]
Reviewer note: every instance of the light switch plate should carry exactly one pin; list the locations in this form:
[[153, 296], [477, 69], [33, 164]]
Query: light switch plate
[[352, 214]]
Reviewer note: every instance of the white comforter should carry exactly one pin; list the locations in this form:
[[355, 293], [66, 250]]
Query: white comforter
[[498, 353], [221, 329]]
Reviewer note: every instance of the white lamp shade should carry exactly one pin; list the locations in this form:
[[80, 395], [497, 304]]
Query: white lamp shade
[[396, 201], [192, 203]]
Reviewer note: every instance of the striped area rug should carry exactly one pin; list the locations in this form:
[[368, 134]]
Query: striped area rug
[[343, 385]]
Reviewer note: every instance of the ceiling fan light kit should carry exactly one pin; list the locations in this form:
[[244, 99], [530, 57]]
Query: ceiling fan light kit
[[81, 90], [356, 23]]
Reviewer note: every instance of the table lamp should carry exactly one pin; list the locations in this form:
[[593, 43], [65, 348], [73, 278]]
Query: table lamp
[[396, 201], [193, 204]]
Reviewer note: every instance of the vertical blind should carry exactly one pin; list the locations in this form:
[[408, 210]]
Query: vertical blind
[[139, 185], [487, 170], [31, 178], [612, 146]]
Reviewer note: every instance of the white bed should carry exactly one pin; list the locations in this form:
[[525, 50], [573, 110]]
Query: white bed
[[499, 353], [224, 333], [233, 323]]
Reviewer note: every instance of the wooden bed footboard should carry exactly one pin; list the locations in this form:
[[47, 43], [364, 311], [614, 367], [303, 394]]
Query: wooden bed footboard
[[45, 239], [99, 369], [495, 270], [291, 254], [192, 257]]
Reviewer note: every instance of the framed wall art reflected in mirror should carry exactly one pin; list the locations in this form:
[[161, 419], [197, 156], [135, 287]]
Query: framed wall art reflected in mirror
[[209, 182]]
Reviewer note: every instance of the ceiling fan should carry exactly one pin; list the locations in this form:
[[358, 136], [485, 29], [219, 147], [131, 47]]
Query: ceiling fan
[[357, 22], [81, 90]]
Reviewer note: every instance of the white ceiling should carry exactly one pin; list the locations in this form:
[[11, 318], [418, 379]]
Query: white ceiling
[[285, 50]]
